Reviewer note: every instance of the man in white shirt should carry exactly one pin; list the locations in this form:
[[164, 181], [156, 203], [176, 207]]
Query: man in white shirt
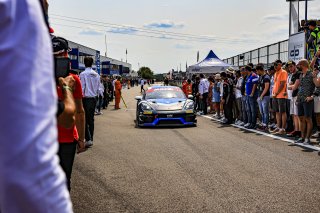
[[142, 82], [204, 91], [238, 98], [90, 81], [31, 179]]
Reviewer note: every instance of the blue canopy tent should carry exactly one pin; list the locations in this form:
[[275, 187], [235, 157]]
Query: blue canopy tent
[[210, 65]]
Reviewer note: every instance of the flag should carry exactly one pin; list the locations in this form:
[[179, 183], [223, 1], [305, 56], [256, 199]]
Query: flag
[[295, 22]]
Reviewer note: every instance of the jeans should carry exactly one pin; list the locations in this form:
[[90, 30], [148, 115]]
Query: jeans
[[264, 109], [99, 103], [205, 103], [66, 154], [89, 105], [252, 110], [244, 109], [238, 114]]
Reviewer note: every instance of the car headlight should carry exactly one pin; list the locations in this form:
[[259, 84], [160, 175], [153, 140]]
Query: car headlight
[[146, 107], [189, 106]]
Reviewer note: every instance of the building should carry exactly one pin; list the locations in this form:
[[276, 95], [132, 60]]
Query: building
[[102, 64]]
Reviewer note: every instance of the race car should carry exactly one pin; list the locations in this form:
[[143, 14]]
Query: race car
[[165, 106]]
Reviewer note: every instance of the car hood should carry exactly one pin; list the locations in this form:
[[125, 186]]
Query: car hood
[[167, 104]]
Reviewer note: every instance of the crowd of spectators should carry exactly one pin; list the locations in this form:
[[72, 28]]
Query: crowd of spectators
[[283, 99]]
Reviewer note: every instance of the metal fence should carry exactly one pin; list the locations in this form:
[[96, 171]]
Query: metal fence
[[266, 55]]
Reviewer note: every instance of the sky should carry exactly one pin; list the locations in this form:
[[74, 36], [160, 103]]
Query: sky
[[162, 34]]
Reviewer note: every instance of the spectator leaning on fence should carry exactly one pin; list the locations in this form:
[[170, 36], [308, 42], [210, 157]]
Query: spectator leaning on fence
[[263, 95], [293, 85], [238, 98], [252, 95], [305, 102], [279, 95]]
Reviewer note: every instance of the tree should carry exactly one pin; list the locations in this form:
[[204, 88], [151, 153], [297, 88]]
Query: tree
[[145, 72]]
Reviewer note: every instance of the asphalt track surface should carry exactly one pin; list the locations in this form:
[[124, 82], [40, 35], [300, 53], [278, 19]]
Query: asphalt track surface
[[209, 168]]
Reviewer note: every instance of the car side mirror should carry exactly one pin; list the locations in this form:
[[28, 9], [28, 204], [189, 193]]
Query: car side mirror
[[138, 98], [190, 96]]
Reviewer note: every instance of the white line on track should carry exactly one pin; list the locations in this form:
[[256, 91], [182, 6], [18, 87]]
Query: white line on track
[[268, 135]]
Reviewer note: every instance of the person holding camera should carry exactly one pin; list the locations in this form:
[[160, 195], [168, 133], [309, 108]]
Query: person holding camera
[[71, 140]]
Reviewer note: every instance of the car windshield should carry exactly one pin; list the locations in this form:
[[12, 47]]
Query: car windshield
[[165, 93]]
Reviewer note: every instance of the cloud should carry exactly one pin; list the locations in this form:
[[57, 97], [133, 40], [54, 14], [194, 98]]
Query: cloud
[[123, 30], [90, 32], [183, 46], [275, 17], [165, 24]]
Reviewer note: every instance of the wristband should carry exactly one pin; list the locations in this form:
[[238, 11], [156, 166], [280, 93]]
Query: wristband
[[67, 88]]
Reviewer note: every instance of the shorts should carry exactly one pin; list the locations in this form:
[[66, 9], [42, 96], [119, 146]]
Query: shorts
[[317, 104], [305, 109], [293, 106], [279, 105]]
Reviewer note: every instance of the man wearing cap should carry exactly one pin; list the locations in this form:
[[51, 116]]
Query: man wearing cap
[[244, 97], [252, 95], [90, 80], [314, 38], [279, 95], [293, 85]]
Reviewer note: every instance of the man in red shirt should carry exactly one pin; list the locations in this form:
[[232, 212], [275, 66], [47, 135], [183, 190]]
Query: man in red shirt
[[70, 138]]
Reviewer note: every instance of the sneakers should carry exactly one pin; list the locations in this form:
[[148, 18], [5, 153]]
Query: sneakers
[[274, 131], [307, 142], [247, 125], [241, 123], [252, 126], [316, 135], [89, 144], [294, 134], [300, 140], [281, 132], [224, 120]]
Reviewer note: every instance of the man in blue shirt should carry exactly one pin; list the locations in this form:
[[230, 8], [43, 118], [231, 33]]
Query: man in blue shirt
[[252, 95]]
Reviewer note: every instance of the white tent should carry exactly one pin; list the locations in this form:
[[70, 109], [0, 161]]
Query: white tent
[[211, 64]]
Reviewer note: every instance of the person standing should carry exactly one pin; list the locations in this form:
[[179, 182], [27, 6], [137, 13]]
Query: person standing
[[238, 96], [31, 179], [90, 81], [263, 96], [279, 95], [305, 102], [216, 97], [195, 92], [226, 99], [314, 38], [142, 83], [293, 85], [118, 88], [252, 96], [210, 94], [188, 88], [203, 92]]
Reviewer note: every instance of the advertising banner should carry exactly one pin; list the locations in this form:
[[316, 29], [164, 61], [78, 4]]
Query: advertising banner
[[297, 47]]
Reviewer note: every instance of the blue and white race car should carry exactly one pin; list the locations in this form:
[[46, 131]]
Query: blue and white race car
[[165, 106]]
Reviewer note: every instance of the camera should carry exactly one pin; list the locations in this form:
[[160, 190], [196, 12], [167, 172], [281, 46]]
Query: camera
[[61, 61]]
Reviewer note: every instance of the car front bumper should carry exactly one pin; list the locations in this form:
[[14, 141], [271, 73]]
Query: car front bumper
[[167, 118]]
